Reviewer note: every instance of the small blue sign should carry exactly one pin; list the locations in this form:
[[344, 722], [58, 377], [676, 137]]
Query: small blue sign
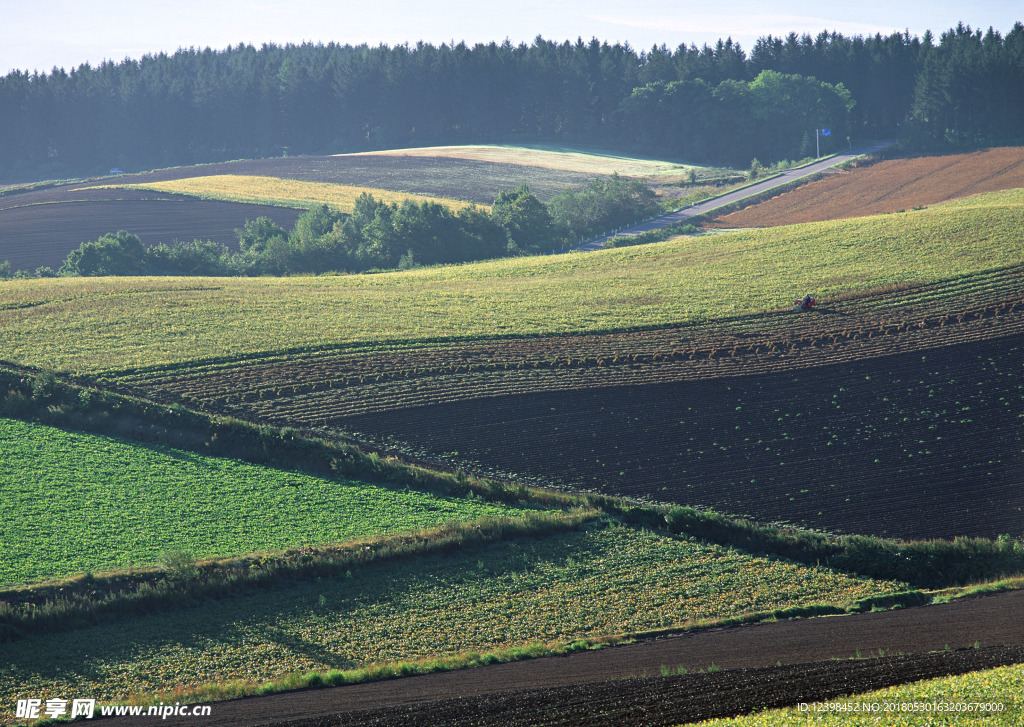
[[826, 132]]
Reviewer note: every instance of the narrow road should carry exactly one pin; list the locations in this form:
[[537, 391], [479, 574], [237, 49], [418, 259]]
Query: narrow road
[[699, 209]]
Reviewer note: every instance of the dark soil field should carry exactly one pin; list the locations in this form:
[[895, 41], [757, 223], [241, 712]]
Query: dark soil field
[[762, 666], [907, 446], [41, 228], [888, 186], [854, 419]]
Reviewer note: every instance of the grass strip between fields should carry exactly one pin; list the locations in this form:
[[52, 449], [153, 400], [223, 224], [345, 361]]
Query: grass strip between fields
[[280, 192]]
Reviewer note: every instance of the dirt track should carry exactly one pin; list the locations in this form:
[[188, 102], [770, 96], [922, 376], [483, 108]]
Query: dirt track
[[987, 621]]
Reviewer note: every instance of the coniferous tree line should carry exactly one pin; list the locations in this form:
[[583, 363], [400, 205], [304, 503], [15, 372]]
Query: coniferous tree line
[[717, 103]]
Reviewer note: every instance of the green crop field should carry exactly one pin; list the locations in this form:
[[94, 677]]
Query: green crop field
[[93, 325], [74, 503], [995, 694], [588, 582]]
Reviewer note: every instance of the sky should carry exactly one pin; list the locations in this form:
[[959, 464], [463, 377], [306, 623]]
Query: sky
[[45, 34]]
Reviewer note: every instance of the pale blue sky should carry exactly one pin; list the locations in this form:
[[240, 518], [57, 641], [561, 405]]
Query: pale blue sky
[[46, 33]]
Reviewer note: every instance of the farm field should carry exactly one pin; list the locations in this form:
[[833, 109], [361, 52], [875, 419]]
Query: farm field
[[554, 157], [908, 446], [110, 325], [562, 587], [41, 228], [995, 695], [250, 189], [691, 698], [885, 187], [65, 495], [671, 373], [668, 680], [866, 390]]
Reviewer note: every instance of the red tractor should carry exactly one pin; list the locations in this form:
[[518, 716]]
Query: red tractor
[[804, 305]]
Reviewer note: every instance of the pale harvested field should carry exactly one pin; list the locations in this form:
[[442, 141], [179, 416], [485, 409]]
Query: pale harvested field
[[251, 189], [888, 186], [549, 156]]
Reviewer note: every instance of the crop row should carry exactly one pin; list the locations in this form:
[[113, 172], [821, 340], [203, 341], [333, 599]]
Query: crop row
[[318, 389]]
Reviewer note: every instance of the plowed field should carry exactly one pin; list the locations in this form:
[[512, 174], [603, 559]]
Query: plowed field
[[894, 414], [41, 228], [888, 186]]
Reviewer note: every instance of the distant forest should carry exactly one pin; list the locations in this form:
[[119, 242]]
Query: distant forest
[[715, 104]]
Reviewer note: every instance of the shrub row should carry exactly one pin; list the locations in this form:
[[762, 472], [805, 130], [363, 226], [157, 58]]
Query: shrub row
[[922, 564]]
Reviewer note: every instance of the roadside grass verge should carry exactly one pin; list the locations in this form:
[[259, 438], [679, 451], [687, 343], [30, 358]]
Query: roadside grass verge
[[111, 324], [278, 191], [562, 587], [986, 690]]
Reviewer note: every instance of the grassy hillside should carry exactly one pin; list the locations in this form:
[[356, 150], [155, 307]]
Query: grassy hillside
[[111, 324], [78, 502], [275, 191]]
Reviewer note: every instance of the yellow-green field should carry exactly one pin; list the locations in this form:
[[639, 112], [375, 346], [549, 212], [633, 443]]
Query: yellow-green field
[[1000, 690], [551, 156], [276, 191], [93, 325], [561, 587]]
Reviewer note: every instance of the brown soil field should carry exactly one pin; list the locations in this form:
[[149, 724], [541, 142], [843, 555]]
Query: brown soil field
[[886, 186], [763, 665], [41, 228], [862, 417]]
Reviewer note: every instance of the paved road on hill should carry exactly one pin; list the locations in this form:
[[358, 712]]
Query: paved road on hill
[[784, 178], [994, 620]]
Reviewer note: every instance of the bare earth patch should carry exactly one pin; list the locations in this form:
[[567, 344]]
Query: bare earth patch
[[888, 186]]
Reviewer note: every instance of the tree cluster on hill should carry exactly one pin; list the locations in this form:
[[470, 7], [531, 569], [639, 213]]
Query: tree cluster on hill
[[716, 103], [376, 235]]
